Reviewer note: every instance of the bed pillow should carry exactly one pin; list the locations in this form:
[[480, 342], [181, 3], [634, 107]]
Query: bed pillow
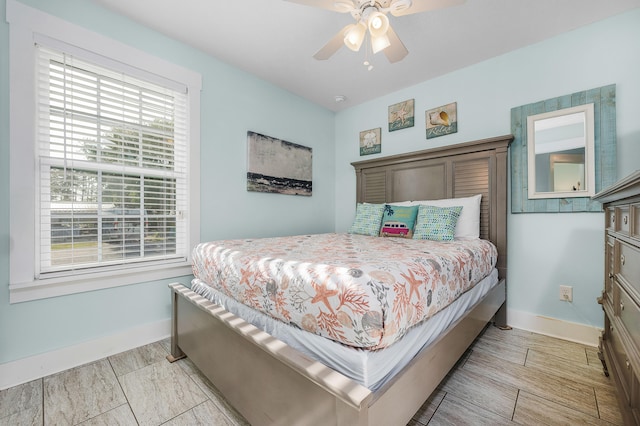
[[469, 220], [398, 221], [368, 219], [436, 223]]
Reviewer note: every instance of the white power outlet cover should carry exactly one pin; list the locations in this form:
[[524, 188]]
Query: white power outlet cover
[[566, 293]]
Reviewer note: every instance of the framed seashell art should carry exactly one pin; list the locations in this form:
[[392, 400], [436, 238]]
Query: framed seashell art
[[442, 120]]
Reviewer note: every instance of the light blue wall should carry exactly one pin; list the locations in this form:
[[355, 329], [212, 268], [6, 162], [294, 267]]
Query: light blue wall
[[545, 250], [233, 102]]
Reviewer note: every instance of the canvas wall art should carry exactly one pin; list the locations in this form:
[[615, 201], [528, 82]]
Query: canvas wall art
[[278, 166], [442, 120], [370, 141], [401, 115]]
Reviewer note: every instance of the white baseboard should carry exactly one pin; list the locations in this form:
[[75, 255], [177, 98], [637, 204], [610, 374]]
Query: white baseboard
[[34, 367], [574, 332]]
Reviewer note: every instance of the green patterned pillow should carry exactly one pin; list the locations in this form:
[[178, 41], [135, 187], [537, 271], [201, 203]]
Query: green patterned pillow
[[436, 223], [368, 219]]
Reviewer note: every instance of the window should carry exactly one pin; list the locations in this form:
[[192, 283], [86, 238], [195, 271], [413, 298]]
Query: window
[[112, 168], [108, 147]]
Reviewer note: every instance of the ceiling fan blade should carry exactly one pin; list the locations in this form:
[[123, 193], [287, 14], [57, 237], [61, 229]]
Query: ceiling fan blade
[[396, 51], [332, 46], [418, 6], [334, 5]]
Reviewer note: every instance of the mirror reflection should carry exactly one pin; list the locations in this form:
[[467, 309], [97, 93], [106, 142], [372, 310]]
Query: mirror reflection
[[561, 159]]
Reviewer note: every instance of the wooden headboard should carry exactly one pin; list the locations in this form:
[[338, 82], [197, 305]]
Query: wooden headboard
[[462, 170]]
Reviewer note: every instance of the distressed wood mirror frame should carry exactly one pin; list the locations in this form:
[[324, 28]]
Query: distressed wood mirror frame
[[604, 104]]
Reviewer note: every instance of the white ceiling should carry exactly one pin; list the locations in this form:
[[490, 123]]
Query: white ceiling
[[275, 39]]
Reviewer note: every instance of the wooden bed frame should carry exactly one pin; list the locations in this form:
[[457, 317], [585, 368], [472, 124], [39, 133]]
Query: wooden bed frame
[[269, 382]]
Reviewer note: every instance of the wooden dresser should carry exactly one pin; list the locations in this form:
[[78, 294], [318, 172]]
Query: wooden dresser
[[620, 340]]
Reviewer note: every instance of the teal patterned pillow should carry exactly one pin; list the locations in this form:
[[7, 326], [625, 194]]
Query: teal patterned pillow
[[368, 219], [436, 223]]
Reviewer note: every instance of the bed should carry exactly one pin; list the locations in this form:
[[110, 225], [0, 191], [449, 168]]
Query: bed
[[270, 381]]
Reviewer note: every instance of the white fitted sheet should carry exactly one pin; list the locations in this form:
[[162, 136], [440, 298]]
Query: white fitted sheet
[[370, 368]]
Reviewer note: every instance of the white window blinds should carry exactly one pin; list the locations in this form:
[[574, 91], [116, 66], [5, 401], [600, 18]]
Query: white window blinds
[[112, 162]]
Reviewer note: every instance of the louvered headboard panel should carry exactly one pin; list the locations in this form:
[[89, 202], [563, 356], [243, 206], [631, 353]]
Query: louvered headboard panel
[[478, 167]]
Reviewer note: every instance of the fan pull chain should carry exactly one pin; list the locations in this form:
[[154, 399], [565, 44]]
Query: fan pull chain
[[367, 49]]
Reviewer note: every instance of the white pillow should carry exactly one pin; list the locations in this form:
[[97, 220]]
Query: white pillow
[[469, 221]]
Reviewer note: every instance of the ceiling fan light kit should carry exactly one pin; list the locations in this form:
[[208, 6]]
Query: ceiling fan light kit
[[371, 15]]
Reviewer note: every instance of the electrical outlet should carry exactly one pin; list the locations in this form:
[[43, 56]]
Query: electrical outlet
[[566, 293]]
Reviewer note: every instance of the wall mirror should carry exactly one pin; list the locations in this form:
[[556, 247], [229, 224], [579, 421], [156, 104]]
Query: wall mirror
[[561, 161], [563, 152]]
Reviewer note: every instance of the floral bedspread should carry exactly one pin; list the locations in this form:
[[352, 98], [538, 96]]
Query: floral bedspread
[[359, 290]]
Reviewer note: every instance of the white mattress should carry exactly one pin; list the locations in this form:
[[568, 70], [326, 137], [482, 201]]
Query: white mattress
[[371, 369]]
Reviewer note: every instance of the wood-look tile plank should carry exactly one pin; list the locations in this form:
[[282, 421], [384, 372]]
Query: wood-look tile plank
[[592, 357], [454, 411], [509, 352], [513, 336], [22, 404], [562, 367], [608, 405], [424, 414], [160, 392], [535, 410], [563, 391], [528, 340], [137, 358], [571, 351], [121, 416], [477, 389], [206, 413], [81, 393]]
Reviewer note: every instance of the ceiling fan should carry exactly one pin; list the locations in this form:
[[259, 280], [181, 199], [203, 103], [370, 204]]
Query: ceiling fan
[[371, 15]]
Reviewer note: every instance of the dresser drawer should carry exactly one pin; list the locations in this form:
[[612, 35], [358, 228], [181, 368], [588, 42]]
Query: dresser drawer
[[628, 265], [623, 219], [621, 361], [629, 314]]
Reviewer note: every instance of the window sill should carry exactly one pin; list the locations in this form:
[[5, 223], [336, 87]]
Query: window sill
[[54, 287]]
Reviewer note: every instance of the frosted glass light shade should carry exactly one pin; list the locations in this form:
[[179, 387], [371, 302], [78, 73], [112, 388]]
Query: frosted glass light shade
[[378, 24], [354, 36], [379, 43]]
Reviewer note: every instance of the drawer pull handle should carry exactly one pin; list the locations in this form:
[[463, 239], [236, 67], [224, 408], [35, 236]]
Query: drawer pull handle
[[625, 219], [628, 364], [613, 219], [621, 306], [611, 328], [622, 259], [610, 275]]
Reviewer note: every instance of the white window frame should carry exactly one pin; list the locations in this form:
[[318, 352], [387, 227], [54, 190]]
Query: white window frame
[[26, 25]]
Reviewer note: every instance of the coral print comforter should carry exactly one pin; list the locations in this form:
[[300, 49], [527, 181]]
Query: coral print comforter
[[358, 290]]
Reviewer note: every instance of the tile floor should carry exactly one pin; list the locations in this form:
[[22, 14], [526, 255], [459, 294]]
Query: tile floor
[[507, 377]]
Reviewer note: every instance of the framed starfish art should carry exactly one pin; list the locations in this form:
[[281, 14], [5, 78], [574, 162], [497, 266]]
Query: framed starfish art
[[401, 115]]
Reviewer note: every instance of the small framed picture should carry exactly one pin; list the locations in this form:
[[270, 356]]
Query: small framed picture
[[401, 115], [442, 120], [370, 142]]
